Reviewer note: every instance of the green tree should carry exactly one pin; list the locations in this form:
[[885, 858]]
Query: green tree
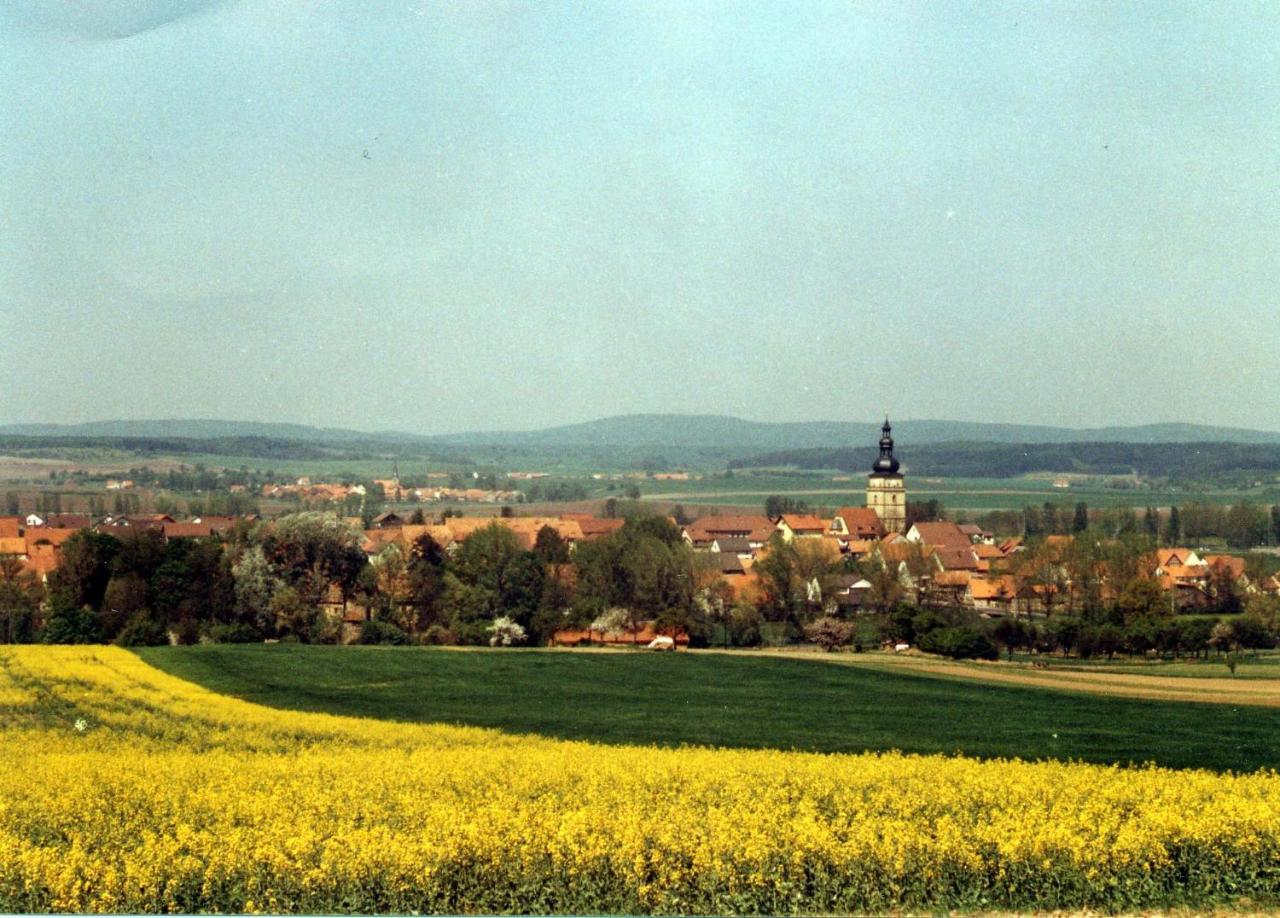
[[425, 577], [1173, 529], [1142, 598], [84, 569], [1151, 523], [1245, 526], [491, 560], [68, 623], [1080, 522], [550, 546], [292, 615], [18, 604]]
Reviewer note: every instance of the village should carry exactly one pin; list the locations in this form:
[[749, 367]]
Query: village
[[855, 561]]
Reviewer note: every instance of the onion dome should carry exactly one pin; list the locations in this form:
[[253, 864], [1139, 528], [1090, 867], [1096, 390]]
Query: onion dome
[[887, 464]]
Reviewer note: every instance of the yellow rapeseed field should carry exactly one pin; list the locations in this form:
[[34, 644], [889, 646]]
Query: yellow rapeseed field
[[124, 789]]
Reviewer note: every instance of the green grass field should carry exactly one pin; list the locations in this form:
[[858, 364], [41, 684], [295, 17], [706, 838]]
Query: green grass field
[[729, 700], [751, 489]]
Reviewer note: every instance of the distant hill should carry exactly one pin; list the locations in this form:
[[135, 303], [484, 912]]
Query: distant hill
[[701, 440], [196, 430], [722, 432], [1180, 461]]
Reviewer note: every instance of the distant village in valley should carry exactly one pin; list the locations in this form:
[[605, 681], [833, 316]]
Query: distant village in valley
[[369, 561]]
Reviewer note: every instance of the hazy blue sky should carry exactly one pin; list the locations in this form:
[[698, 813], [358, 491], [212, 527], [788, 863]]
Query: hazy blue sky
[[437, 217]]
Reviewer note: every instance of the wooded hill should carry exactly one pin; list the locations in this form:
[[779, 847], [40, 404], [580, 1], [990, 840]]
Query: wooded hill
[[1197, 462]]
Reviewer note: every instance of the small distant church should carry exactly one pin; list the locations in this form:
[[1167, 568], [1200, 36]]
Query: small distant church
[[886, 489]]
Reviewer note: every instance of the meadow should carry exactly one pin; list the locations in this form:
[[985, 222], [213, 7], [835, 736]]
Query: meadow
[[747, 700], [123, 789]]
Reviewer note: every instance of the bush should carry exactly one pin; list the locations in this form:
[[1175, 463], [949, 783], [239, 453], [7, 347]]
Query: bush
[[186, 632], [70, 625], [745, 622], [829, 633], [237, 633], [961, 643], [381, 633], [471, 634], [141, 630], [437, 635]]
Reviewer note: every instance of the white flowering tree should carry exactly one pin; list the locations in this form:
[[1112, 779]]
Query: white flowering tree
[[505, 633]]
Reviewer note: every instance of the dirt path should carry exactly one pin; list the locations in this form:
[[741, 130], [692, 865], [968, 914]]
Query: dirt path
[[1225, 690]]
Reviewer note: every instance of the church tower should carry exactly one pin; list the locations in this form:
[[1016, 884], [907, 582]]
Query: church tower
[[886, 491]]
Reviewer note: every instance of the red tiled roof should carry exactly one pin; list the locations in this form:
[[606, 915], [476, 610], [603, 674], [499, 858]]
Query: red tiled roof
[[186, 530], [862, 522], [943, 534], [803, 522], [708, 528]]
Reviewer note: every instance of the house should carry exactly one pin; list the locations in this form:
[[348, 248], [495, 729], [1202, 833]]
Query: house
[[11, 527], [955, 559], [740, 548], [977, 535], [186, 530], [138, 521], [757, 530], [388, 520], [220, 524], [858, 523], [13, 546], [939, 534], [645, 634], [44, 549], [801, 526], [851, 592], [991, 594], [594, 527], [730, 563]]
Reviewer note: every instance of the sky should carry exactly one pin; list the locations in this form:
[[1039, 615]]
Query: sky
[[438, 217]]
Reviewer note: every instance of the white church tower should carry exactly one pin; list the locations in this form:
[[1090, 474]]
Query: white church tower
[[886, 490]]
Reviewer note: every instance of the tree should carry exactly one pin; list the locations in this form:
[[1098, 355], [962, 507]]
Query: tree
[[425, 576], [254, 586], [550, 546], [291, 615], [84, 569], [1010, 633], [1080, 522], [1142, 598], [1275, 524], [776, 505], [610, 509], [924, 511], [69, 624], [886, 588], [311, 550], [1173, 529], [1246, 526], [125, 596], [829, 633], [12, 506], [508, 578], [505, 633], [17, 603], [1151, 523], [617, 621]]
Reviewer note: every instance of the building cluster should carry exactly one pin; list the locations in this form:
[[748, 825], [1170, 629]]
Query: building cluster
[[36, 540], [304, 489]]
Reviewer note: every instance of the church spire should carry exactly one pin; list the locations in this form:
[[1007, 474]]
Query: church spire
[[887, 464]]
